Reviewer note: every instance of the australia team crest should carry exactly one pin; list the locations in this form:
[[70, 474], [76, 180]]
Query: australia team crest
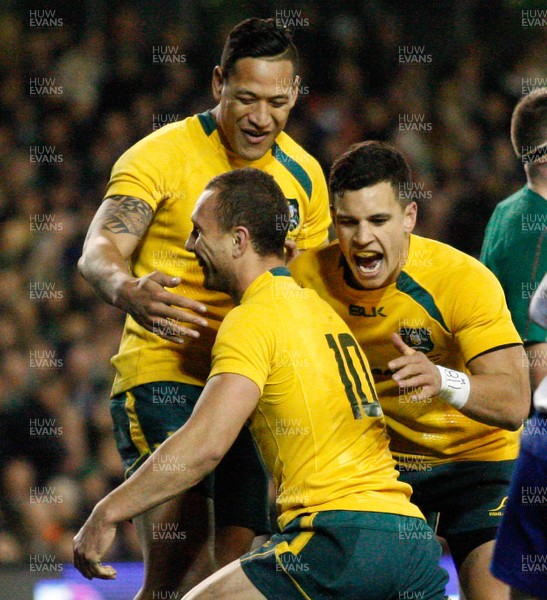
[[294, 213], [418, 338]]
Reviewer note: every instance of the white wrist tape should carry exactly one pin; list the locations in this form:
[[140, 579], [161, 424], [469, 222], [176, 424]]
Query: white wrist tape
[[455, 386]]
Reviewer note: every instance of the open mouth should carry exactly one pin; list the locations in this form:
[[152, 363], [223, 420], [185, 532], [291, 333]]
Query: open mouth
[[368, 262], [201, 262], [255, 137]]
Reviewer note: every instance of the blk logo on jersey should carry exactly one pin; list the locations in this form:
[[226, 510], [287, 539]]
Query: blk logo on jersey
[[361, 311], [418, 338], [294, 213]]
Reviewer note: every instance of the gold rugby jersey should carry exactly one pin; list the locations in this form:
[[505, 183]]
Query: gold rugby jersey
[[445, 304], [169, 169], [318, 423]]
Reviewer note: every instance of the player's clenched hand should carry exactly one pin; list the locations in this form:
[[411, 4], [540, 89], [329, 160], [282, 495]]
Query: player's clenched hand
[[90, 545], [159, 310], [414, 370]]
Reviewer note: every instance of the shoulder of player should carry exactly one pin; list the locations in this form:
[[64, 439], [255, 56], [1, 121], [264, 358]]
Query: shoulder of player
[[512, 206], [310, 263], [162, 140], [437, 261], [296, 152]]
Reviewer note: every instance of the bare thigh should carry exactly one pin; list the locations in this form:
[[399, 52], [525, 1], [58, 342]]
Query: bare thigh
[[230, 583], [177, 543]]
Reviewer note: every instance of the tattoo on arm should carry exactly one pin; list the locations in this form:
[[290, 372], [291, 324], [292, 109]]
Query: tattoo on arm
[[127, 215]]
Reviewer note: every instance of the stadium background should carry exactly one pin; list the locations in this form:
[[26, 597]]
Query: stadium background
[[80, 83]]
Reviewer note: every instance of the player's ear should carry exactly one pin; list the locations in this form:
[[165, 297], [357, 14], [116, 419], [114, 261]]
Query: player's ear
[[411, 213], [217, 83], [240, 241]]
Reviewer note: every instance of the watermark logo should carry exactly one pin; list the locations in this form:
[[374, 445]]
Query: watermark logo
[[411, 395], [535, 425], [533, 154], [44, 86], [44, 155], [163, 194], [44, 290], [533, 222], [44, 222], [412, 192], [167, 463], [168, 532], [164, 55], [168, 259], [287, 289], [418, 259], [44, 563], [161, 119], [283, 86], [44, 359], [161, 329], [291, 18], [293, 496], [413, 463], [290, 427], [528, 288], [534, 563], [415, 529], [166, 595], [413, 122], [414, 54], [534, 18], [529, 84], [167, 394], [291, 358], [288, 222], [45, 495], [44, 18], [291, 563], [534, 495], [412, 595], [44, 428]]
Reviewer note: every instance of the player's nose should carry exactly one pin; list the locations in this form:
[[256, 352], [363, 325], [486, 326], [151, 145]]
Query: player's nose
[[363, 235], [260, 115], [190, 244]]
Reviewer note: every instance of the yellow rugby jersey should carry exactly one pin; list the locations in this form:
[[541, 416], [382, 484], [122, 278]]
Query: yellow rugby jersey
[[318, 423], [445, 304], [169, 169]]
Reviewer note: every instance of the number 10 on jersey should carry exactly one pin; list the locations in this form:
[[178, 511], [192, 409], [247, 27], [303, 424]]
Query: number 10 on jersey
[[360, 404]]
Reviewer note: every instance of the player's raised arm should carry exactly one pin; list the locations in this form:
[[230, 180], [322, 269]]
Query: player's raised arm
[[496, 393], [116, 230], [196, 448]]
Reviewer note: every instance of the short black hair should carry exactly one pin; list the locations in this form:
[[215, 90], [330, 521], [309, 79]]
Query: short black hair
[[257, 38], [251, 198], [529, 126], [367, 163]]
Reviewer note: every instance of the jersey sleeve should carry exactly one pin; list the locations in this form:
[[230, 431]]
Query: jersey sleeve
[[480, 319], [315, 230], [138, 173], [242, 347]]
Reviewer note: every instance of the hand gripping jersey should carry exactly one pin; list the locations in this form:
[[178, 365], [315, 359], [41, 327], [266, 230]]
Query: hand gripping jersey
[[169, 169], [318, 424], [445, 304]]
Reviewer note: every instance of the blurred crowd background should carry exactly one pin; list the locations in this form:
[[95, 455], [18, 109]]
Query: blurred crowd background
[[79, 83]]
